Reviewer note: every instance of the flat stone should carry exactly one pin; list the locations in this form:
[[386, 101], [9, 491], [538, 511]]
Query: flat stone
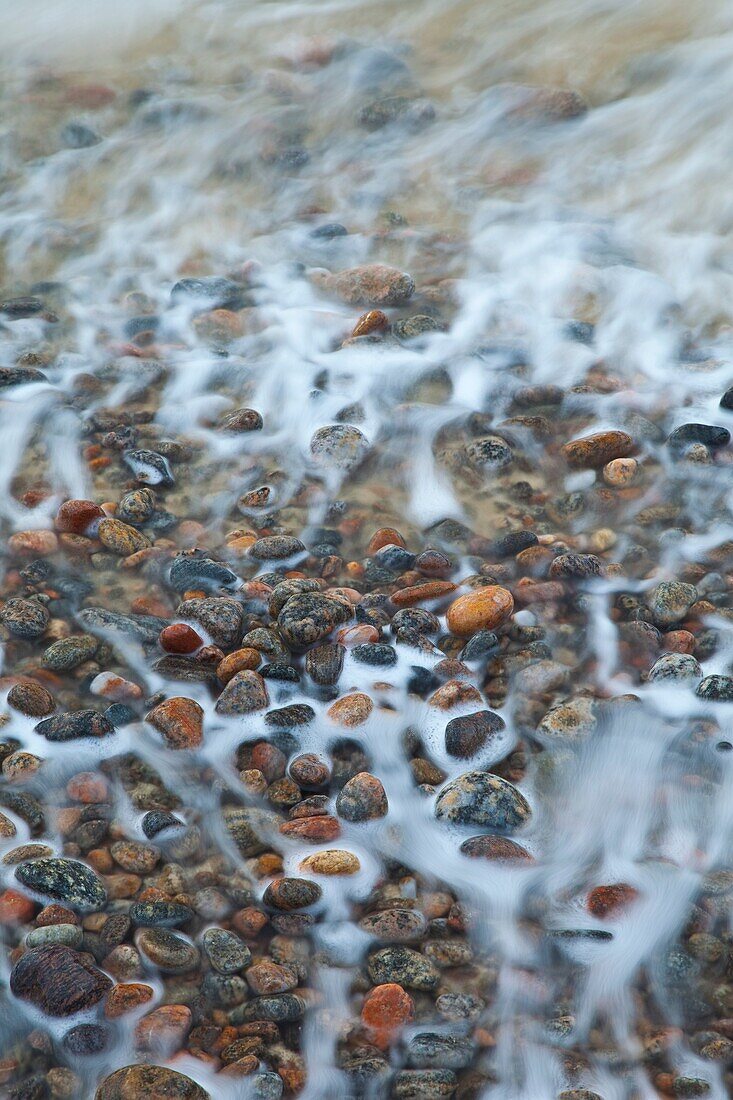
[[74, 725], [65, 880], [150, 1082]]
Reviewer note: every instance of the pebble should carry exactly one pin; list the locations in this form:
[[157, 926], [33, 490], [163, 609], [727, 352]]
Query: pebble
[[481, 798], [424, 1084], [497, 848], [572, 720], [170, 953], [75, 725], [70, 935], [395, 925], [244, 693], [483, 609], [78, 517], [68, 880], [351, 710], [33, 544], [362, 798], [241, 420], [404, 966], [31, 698], [331, 861], [58, 980], [276, 548], [370, 285], [682, 667], [125, 998], [25, 618], [149, 467], [151, 1082], [324, 664], [189, 573], [136, 507], [670, 602], [598, 449], [220, 616], [180, 638], [160, 914], [469, 733], [576, 565], [428, 1050], [181, 722], [69, 652], [225, 951], [715, 688], [341, 446], [291, 893], [120, 538], [711, 435], [386, 1010]]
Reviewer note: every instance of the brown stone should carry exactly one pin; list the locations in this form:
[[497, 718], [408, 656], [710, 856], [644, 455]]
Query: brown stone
[[331, 861], [239, 661], [125, 997], [180, 638], [180, 720], [76, 516], [121, 538], [150, 1083], [58, 980], [483, 609], [320, 830], [163, 1030], [592, 451], [351, 710], [32, 544], [418, 593], [372, 321], [370, 285]]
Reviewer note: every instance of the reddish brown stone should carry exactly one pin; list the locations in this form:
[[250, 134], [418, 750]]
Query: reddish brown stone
[[180, 638], [596, 450], [58, 980], [76, 516], [609, 901], [386, 1010], [180, 720], [317, 829], [418, 593], [125, 997], [163, 1030]]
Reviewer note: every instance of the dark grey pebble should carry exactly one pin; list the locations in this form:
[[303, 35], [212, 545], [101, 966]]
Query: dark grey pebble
[[716, 688], [189, 572], [144, 628], [65, 880], [158, 821], [226, 990], [159, 914], [225, 951], [282, 1008], [712, 435], [431, 1050], [404, 966], [149, 467], [467, 734], [212, 291], [296, 714], [25, 618], [58, 980], [87, 1039], [482, 643], [222, 617], [375, 653], [68, 653], [74, 725], [424, 1084], [19, 376], [276, 548], [512, 543], [23, 306], [484, 799]]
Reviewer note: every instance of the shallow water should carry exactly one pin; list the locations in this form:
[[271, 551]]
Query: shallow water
[[580, 241]]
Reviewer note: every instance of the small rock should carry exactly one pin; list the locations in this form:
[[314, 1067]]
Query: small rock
[[483, 609], [151, 1082], [120, 537], [597, 450], [69, 652], [244, 693], [69, 881], [715, 688], [362, 798], [404, 966], [180, 720], [670, 602], [291, 893], [331, 861], [170, 953], [75, 725], [225, 951], [58, 980], [192, 573], [498, 848], [25, 618], [340, 446], [675, 666], [31, 698], [481, 798], [468, 734], [370, 285]]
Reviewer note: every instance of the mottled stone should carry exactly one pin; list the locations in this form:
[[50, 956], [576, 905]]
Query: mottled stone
[[481, 798], [58, 980], [66, 880]]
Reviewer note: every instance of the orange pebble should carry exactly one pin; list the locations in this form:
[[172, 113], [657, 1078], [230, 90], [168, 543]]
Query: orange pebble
[[386, 1010], [678, 641], [385, 536], [16, 908]]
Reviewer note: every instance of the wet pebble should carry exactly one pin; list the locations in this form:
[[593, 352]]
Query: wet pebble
[[481, 798], [67, 880], [170, 953], [25, 618], [58, 980], [225, 951]]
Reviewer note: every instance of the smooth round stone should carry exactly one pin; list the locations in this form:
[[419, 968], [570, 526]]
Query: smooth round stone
[[670, 602], [85, 1039], [500, 849], [25, 618], [151, 1083], [168, 952], [225, 951], [157, 821], [680, 667], [227, 990], [267, 1086], [282, 1008], [716, 688], [570, 720], [70, 652], [159, 914], [404, 967], [469, 733], [70, 935], [64, 880], [481, 798], [291, 893], [483, 609], [331, 862], [362, 798], [395, 925]]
